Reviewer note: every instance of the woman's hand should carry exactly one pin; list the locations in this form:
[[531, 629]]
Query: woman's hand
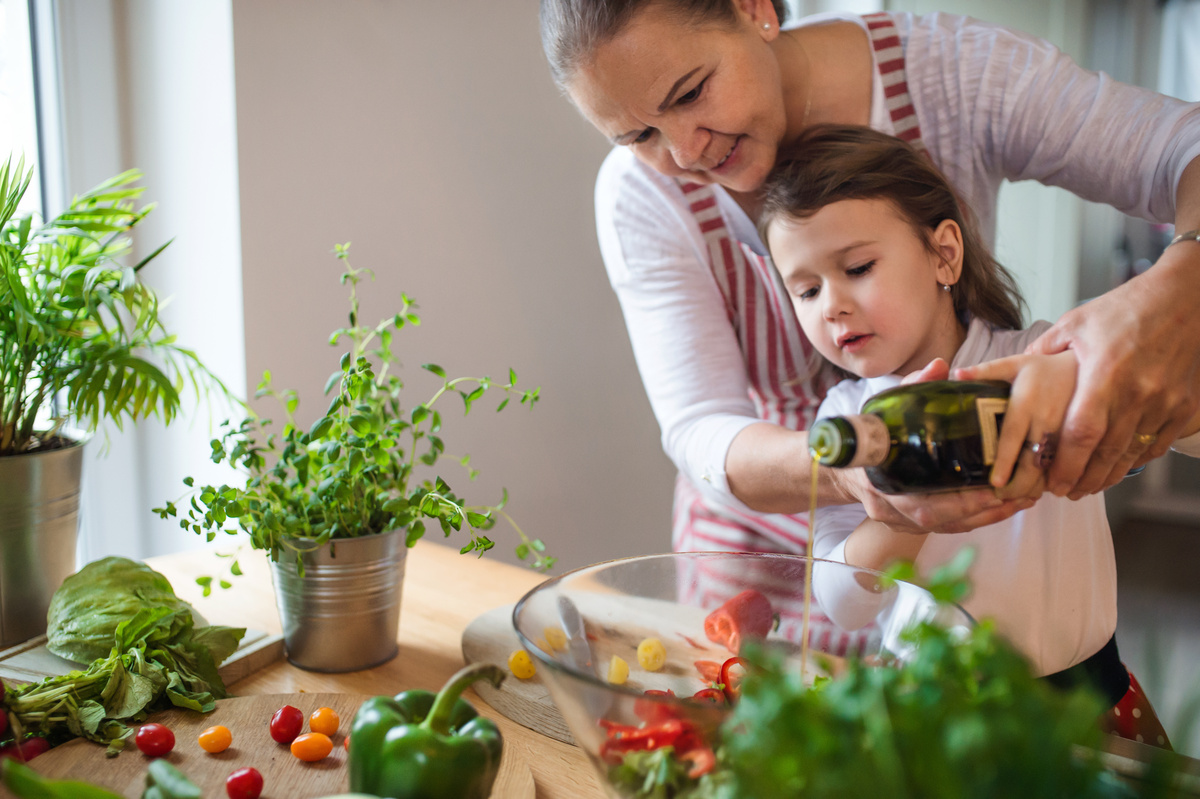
[[949, 512], [1042, 387], [1138, 348]]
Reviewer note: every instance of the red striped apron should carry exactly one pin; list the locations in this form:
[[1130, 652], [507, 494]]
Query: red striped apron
[[788, 378]]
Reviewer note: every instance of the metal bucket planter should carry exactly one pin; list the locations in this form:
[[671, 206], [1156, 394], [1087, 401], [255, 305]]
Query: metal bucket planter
[[39, 522], [344, 613]]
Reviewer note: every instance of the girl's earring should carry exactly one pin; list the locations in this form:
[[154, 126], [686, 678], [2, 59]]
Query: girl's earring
[[945, 286], [766, 26]]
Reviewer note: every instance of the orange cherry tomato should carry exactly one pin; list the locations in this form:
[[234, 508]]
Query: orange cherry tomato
[[312, 746], [324, 720], [215, 739]]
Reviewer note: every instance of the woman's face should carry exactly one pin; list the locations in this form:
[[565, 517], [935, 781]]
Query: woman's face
[[702, 102], [866, 289]]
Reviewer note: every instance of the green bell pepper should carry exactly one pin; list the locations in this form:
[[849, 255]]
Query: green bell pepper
[[420, 746]]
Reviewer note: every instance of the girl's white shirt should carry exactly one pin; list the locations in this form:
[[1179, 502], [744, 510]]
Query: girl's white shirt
[[1047, 575], [992, 104]]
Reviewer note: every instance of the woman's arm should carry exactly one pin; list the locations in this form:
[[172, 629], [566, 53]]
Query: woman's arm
[[1138, 348], [1025, 111]]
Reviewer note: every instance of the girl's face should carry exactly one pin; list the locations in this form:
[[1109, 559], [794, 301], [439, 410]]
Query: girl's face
[[866, 288], [703, 102]]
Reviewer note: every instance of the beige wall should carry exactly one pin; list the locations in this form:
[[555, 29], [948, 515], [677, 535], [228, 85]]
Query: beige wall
[[431, 136]]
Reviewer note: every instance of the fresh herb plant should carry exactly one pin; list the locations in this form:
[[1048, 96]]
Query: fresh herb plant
[[364, 467], [80, 335]]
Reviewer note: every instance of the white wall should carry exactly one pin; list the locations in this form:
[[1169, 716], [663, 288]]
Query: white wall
[[431, 136]]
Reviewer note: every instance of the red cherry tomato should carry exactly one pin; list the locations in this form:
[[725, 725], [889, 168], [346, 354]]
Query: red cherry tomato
[[26, 750], [286, 724], [154, 740], [245, 783]]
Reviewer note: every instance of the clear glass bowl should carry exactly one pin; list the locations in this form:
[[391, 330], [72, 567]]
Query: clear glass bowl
[[573, 625]]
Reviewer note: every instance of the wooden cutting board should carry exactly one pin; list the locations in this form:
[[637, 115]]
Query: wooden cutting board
[[490, 638], [248, 717]]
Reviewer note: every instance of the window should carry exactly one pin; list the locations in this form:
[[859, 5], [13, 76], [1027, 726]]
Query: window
[[18, 106]]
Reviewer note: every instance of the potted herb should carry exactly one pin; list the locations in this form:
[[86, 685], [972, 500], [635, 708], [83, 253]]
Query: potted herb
[[81, 342], [336, 506]]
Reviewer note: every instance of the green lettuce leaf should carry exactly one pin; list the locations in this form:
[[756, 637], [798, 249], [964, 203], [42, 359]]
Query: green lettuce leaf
[[89, 606]]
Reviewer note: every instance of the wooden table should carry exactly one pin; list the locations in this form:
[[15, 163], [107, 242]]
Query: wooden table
[[443, 592]]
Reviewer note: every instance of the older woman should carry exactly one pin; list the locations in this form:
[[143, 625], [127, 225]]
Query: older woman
[[700, 96]]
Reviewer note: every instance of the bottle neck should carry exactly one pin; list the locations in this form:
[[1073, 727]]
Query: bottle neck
[[849, 441]]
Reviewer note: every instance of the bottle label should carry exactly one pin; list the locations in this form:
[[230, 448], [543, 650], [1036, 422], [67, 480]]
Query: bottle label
[[991, 416], [873, 441]]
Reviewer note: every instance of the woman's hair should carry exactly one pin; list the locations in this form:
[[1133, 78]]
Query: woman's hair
[[573, 29], [830, 163]]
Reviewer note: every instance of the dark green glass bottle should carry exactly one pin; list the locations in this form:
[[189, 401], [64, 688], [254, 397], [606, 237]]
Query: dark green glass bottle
[[919, 438]]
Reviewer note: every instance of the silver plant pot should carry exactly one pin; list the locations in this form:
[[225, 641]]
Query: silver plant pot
[[39, 522], [344, 613]]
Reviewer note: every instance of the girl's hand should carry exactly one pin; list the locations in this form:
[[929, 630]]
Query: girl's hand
[[1042, 387]]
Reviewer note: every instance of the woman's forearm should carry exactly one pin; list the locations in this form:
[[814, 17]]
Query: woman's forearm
[[770, 470]]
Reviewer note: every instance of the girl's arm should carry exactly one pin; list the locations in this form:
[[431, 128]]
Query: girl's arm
[[874, 545]]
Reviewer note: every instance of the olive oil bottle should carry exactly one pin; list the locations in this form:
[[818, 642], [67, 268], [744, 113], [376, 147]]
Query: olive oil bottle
[[919, 438]]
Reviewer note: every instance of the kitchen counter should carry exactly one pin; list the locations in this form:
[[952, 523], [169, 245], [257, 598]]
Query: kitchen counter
[[443, 592]]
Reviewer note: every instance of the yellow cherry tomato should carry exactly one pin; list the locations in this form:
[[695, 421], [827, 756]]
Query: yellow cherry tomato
[[312, 746], [520, 664], [556, 638], [215, 739], [324, 720], [618, 670], [651, 654]]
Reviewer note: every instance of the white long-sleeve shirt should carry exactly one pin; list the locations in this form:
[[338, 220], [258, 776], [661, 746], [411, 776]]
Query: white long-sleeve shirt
[[992, 104]]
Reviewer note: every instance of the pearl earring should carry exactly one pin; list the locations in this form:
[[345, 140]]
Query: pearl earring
[[945, 286], [766, 26]]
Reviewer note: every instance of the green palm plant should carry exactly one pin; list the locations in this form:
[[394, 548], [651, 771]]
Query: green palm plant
[[80, 336]]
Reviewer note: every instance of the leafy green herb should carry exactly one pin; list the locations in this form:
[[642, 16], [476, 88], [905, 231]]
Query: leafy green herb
[[358, 469], [156, 658], [963, 717], [77, 326]]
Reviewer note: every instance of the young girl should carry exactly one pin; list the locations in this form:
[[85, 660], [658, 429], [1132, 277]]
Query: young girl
[[887, 274]]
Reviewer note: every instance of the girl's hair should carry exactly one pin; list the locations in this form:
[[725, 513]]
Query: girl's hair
[[830, 163], [573, 29]]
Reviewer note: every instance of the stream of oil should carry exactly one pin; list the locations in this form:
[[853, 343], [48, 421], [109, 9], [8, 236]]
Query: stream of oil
[[808, 564]]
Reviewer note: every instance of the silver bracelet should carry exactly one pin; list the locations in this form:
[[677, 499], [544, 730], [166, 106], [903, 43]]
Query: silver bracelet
[[1191, 235]]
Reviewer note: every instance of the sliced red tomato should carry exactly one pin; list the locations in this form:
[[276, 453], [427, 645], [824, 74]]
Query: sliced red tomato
[[745, 616]]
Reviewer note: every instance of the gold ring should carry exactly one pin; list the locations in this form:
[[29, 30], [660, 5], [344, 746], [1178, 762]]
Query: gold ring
[[1145, 439]]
